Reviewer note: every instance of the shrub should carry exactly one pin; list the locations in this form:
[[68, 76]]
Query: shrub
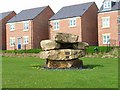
[[102, 49], [22, 51]]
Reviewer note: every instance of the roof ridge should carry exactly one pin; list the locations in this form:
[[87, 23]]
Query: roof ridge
[[78, 4], [34, 8], [6, 12]]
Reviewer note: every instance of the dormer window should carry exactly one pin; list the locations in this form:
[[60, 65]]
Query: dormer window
[[107, 5]]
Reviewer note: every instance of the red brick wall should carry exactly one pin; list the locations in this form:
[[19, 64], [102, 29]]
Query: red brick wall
[[3, 30], [1, 35], [65, 28], [119, 31], [41, 27], [112, 30], [86, 26], [19, 33], [90, 26]]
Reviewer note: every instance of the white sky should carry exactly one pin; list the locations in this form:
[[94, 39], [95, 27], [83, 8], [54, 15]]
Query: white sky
[[19, 5]]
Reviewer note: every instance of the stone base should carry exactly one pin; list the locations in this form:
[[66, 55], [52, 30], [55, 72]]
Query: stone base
[[64, 64], [62, 54]]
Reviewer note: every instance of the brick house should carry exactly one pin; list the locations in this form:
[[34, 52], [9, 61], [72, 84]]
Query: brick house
[[4, 17], [28, 28], [109, 23], [80, 19]]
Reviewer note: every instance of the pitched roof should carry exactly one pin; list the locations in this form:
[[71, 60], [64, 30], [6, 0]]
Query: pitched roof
[[115, 6], [28, 14], [4, 14], [72, 11]]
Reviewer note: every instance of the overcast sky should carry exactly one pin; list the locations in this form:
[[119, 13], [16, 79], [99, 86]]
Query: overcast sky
[[18, 5]]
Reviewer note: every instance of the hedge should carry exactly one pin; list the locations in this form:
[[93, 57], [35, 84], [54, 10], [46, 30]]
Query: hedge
[[91, 49], [22, 51]]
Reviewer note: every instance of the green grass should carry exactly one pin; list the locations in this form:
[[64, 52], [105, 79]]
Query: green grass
[[19, 73]]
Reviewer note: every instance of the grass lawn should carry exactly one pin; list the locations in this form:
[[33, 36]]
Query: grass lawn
[[19, 73]]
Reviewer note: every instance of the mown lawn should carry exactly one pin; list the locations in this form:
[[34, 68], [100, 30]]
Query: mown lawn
[[19, 73]]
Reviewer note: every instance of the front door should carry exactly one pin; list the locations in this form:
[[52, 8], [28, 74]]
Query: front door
[[19, 43], [119, 38]]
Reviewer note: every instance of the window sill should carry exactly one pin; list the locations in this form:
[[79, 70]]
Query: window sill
[[11, 46], [106, 9], [12, 30], [55, 29], [25, 30], [25, 43], [105, 27], [106, 43], [72, 26]]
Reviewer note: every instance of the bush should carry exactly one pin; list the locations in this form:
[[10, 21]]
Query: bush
[[22, 51], [91, 49]]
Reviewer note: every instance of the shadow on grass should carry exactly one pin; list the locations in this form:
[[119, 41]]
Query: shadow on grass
[[83, 67], [91, 66]]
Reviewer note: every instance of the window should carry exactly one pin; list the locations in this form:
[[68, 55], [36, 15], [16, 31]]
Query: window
[[119, 20], [12, 41], [72, 22], [12, 27], [25, 40], [105, 22], [106, 38], [118, 36], [56, 25], [107, 5], [26, 25]]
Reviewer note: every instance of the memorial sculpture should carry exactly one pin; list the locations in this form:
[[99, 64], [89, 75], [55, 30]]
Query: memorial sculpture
[[63, 51]]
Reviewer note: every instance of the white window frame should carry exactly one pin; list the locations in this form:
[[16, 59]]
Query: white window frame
[[72, 22], [118, 36], [12, 26], [24, 25], [56, 25], [107, 5], [24, 40], [105, 41], [106, 22], [12, 44], [118, 19]]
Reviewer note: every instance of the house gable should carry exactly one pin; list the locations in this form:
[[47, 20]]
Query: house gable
[[5, 14]]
